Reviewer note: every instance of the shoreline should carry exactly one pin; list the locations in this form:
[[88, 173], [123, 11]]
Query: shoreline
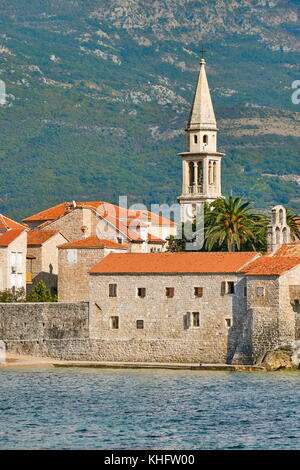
[[16, 361]]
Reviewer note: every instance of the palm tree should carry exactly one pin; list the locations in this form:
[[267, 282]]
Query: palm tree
[[233, 225], [293, 222]]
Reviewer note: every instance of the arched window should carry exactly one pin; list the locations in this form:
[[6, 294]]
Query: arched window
[[200, 173], [278, 236], [195, 139], [281, 216], [191, 173], [214, 172], [205, 139], [285, 235]]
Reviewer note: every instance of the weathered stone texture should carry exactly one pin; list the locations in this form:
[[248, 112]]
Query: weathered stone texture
[[39, 322], [73, 278], [170, 318]]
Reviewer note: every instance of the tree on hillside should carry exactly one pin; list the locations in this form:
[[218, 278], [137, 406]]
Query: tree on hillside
[[41, 294]]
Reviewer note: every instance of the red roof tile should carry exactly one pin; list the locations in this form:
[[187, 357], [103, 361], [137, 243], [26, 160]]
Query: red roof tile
[[271, 265], [7, 237], [93, 242], [153, 239], [290, 249], [173, 263], [6, 223], [38, 237], [104, 209]]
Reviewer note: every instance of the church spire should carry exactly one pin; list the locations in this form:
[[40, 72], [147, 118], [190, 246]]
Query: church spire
[[201, 165], [202, 116]]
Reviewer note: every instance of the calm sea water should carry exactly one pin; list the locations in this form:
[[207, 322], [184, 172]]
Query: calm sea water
[[149, 409]]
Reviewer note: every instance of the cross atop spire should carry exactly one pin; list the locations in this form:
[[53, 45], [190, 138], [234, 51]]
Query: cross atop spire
[[202, 52], [202, 114]]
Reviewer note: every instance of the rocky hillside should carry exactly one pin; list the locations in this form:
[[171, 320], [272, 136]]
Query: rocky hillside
[[98, 94]]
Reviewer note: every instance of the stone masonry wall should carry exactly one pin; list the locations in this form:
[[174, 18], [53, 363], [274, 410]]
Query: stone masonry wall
[[38, 322], [181, 351], [170, 319], [73, 278]]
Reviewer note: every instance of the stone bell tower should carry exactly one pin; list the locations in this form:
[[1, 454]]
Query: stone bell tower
[[201, 165], [279, 233]]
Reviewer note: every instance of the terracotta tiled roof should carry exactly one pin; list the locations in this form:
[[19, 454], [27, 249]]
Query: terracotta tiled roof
[[104, 209], [271, 266], [6, 223], [93, 242], [7, 237], [173, 263], [38, 237], [290, 249], [121, 227], [153, 239]]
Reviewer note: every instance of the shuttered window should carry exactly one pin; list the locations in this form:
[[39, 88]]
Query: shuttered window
[[170, 292], [112, 290], [141, 292], [223, 288], [196, 319], [198, 291], [140, 324], [114, 323]]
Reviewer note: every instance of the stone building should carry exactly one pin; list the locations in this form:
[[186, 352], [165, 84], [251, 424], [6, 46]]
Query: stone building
[[42, 258], [201, 165], [13, 247], [207, 307], [141, 230], [75, 259], [191, 300], [273, 314]]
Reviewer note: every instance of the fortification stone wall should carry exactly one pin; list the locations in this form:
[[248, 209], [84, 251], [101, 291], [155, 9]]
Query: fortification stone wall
[[163, 350], [38, 322]]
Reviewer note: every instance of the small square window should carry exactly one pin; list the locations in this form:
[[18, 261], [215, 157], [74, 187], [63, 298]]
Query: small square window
[[195, 319], [72, 256], [112, 290], [141, 292], [114, 323], [260, 291], [170, 292], [140, 324], [198, 291], [228, 322]]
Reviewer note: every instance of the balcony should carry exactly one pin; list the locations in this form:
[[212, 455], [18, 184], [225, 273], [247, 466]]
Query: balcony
[[194, 189]]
